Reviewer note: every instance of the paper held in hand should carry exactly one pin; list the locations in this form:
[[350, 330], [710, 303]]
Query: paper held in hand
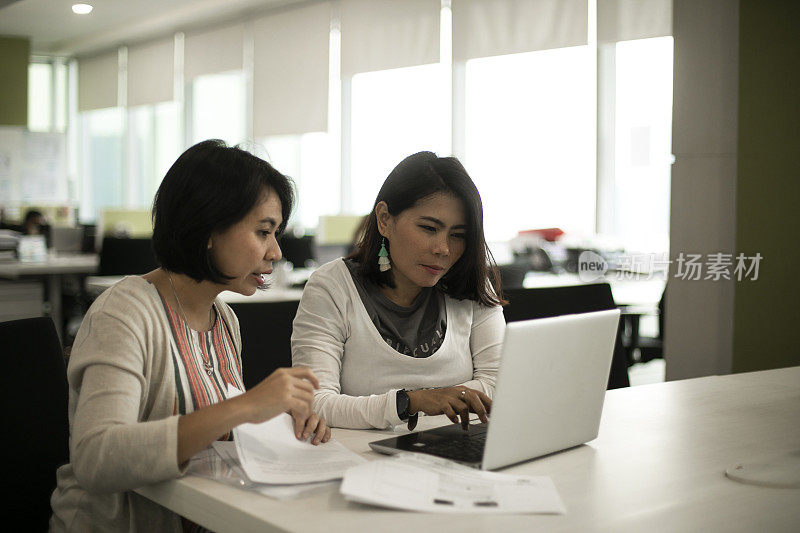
[[416, 482], [270, 453]]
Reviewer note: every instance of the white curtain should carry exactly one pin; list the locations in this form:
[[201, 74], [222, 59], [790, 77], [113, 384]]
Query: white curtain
[[483, 28], [623, 20], [151, 72], [213, 51], [97, 81], [290, 75], [385, 34]]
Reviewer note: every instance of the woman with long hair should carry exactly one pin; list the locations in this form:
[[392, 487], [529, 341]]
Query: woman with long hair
[[411, 321]]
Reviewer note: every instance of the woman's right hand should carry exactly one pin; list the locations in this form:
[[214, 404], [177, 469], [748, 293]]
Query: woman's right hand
[[286, 389], [451, 402]]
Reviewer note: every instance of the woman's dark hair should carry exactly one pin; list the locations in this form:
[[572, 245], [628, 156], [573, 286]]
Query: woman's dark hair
[[208, 189], [474, 276]]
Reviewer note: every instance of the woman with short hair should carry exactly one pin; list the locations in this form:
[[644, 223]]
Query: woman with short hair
[[155, 354], [411, 321]]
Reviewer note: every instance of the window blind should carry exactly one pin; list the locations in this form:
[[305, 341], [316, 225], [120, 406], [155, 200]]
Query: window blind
[[213, 51], [385, 34], [483, 28], [290, 73], [151, 72], [97, 81]]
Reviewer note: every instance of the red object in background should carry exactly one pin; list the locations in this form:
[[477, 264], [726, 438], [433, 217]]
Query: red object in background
[[548, 234]]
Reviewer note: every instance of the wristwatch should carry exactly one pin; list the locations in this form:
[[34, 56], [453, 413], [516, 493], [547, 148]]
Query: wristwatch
[[403, 406], [403, 403]]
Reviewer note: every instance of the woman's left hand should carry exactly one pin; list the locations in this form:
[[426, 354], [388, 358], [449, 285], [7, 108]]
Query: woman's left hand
[[313, 425]]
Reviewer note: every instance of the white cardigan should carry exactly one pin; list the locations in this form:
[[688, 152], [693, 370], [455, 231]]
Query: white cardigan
[[360, 374]]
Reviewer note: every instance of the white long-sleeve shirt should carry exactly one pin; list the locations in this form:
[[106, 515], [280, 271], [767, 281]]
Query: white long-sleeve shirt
[[360, 374]]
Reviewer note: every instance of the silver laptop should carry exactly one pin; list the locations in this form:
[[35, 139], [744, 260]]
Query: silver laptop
[[548, 397]]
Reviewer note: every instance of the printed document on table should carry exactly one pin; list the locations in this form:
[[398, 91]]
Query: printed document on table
[[416, 482], [270, 453], [226, 451]]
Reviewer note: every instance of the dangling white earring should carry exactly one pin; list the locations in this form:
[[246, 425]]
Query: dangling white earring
[[383, 257]]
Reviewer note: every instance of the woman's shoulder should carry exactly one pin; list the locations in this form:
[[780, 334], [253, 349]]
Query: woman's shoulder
[[332, 276], [128, 296], [331, 269], [472, 308], [330, 284]]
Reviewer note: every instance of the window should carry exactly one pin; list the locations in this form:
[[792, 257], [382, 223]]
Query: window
[[529, 140], [643, 133], [40, 96], [310, 161], [154, 142], [218, 108], [101, 161], [47, 95], [395, 113]]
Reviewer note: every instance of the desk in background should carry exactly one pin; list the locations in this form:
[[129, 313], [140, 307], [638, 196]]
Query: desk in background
[[638, 292], [52, 269], [658, 465], [95, 285]]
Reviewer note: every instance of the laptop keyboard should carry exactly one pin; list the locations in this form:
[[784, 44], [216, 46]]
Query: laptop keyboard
[[467, 448]]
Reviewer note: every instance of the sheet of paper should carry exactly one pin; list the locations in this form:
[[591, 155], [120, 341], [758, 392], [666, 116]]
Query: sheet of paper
[[227, 452], [270, 453], [416, 482]]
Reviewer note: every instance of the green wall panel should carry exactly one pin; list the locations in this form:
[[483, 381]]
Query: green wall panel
[[14, 58], [767, 311]]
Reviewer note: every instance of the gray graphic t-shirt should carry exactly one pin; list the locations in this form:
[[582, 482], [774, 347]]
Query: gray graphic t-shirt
[[417, 330]]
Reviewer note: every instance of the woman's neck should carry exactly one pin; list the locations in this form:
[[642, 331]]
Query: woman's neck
[[192, 299], [404, 292]]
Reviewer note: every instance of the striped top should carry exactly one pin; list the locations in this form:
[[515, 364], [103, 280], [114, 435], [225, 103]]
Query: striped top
[[194, 387]]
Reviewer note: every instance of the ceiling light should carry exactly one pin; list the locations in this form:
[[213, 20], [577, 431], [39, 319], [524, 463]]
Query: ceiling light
[[82, 9]]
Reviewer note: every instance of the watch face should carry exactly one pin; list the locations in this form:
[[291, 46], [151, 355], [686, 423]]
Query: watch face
[[403, 403]]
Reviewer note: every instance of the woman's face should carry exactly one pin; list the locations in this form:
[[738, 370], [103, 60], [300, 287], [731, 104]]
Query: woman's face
[[426, 240], [247, 249]]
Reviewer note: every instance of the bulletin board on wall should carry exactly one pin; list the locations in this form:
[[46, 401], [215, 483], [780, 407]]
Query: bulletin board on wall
[[33, 167]]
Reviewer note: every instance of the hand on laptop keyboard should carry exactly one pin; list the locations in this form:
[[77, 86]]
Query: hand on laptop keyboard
[[453, 402]]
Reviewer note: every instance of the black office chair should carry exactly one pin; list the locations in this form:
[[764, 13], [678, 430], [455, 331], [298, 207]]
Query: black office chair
[[88, 242], [122, 256], [34, 385], [512, 275], [299, 251], [266, 337], [642, 348], [525, 304]]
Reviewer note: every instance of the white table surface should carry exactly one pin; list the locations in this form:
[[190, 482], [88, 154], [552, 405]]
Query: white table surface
[[645, 292], [54, 264], [95, 285], [658, 465], [52, 268]]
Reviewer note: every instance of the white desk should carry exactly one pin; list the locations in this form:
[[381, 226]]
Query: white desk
[[639, 292], [658, 465], [52, 269], [95, 285]]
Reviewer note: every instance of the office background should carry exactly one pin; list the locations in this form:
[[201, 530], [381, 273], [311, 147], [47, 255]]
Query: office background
[[566, 113]]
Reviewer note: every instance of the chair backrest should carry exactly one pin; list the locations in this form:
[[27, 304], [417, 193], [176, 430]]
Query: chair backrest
[[34, 418], [266, 337], [124, 256], [525, 304], [512, 275], [298, 250]]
